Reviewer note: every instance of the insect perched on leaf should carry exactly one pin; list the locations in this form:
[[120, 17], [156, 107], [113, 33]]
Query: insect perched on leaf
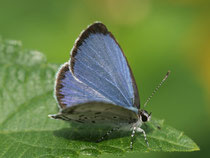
[[97, 85]]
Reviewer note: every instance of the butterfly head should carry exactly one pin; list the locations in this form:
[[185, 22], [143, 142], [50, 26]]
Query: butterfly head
[[144, 116]]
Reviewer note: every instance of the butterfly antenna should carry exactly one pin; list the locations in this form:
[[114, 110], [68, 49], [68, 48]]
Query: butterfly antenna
[[156, 89]]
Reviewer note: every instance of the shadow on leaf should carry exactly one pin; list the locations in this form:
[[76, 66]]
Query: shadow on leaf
[[90, 133]]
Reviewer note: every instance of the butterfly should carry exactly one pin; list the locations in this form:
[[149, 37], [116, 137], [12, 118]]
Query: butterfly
[[97, 85]]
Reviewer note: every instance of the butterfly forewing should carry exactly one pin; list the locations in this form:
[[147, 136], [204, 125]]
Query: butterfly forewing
[[70, 91], [98, 61]]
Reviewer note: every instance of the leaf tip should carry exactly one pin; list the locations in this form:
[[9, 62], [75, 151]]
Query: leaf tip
[[196, 148]]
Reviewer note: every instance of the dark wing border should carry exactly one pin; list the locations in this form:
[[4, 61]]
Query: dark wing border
[[59, 77]]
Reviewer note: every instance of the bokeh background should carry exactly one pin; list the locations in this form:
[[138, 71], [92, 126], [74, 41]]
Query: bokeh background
[[155, 35]]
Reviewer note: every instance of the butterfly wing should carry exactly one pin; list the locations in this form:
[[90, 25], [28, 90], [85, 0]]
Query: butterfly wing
[[69, 91], [98, 61], [98, 113], [81, 103]]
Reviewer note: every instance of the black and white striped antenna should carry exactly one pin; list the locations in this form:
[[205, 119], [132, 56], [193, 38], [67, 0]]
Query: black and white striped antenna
[[156, 89]]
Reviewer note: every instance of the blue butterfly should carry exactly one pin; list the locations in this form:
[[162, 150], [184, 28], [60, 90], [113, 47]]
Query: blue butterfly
[[97, 85]]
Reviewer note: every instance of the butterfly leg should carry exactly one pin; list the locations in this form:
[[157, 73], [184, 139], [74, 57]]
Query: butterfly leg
[[145, 136], [132, 135], [108, 133]]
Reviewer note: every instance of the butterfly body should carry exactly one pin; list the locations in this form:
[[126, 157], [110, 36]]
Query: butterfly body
[[97, 85]]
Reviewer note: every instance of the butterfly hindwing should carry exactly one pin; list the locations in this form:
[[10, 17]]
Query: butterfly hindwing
[[98, 113], [98, 61]]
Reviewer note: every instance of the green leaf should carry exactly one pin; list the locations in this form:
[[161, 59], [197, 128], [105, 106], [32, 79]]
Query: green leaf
[[26, 99]]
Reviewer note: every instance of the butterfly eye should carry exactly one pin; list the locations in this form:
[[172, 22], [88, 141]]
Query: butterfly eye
[[144, 118]]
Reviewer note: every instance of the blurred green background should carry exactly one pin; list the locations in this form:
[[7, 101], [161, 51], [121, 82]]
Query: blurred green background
[[155, 35]]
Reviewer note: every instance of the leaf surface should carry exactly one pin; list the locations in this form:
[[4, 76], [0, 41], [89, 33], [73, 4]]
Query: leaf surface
[[26, 99]]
